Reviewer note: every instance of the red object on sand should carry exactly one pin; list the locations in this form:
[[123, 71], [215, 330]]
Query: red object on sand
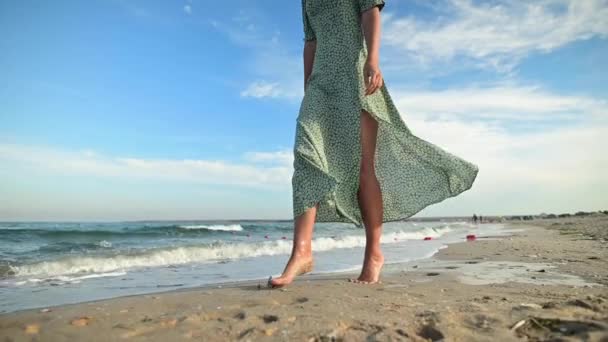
[[471, 237], [427, 238]]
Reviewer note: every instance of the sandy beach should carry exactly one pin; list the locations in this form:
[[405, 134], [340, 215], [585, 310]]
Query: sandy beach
[[547, 281]]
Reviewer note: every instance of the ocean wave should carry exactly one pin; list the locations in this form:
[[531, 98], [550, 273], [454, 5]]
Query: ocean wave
[[104, 233], [104, 244], [217, 251], [62, 247], [228, 228]]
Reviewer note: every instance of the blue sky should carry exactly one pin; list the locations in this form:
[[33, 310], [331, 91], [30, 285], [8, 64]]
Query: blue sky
[[186, 109]]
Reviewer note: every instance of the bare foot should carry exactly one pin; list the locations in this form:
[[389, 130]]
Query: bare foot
[[296, 266], [370, 273]]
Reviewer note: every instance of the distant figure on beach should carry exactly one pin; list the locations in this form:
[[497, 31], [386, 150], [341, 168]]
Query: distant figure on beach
[[351, 144], [474, 218], [480, 218]]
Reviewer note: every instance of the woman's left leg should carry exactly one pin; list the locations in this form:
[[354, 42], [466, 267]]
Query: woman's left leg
[[370, 202], [301, 260]]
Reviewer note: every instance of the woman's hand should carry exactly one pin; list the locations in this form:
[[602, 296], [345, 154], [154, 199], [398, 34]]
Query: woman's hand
[[372, 76]]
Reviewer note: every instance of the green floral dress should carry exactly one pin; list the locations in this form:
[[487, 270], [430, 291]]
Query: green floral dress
[[413, 173]]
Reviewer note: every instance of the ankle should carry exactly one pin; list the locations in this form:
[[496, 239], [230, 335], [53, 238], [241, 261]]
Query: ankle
[[375, 256], [301, 254]]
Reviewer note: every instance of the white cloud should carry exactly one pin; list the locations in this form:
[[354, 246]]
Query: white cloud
[[262, 89], [284, 157], [556, 168], [501, 102], [460, 35], [561, 170], [87, 162], [279, 89], [188, 9], [495, 34], [277, 71]]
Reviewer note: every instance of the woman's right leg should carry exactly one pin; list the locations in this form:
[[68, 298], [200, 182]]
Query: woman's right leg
[[301, 253]]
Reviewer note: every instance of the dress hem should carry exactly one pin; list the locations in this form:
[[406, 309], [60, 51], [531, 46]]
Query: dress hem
[[331, 194]]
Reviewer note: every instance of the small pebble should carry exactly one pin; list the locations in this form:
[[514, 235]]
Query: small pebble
[[269, 331]]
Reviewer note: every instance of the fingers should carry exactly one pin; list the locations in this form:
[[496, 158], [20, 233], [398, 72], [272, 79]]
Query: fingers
[[377, 80], [372, 83]]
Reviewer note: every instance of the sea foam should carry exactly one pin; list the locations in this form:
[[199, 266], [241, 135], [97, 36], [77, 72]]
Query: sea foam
[[229, 228], [217, 251]]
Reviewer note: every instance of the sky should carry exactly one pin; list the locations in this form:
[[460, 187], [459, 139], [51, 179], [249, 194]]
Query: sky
[[145, 110]]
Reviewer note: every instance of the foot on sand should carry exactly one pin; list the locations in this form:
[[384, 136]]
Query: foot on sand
[[296, 266], [370, 273]]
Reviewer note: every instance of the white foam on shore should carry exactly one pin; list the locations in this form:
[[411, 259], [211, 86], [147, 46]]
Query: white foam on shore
[[498, 272], [70, 279], [200, 254]]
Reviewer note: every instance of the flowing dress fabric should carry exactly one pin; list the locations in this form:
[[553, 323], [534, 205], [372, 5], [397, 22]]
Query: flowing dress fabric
[[413, 173]]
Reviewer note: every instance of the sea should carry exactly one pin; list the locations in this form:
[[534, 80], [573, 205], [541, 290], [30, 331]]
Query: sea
[[44, 264]]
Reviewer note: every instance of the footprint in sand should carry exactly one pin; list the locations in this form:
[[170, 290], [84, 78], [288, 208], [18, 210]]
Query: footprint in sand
[[270, 318], [542, 328], [302, 300], [431, 333], [482, 322]]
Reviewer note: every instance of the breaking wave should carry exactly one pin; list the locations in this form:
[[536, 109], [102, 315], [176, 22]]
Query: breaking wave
[[211, 252]]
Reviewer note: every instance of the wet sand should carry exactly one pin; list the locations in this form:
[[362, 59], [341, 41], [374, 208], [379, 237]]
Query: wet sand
[[546, 282]]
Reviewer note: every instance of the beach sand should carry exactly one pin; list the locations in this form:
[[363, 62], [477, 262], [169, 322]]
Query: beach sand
[[546, 282]]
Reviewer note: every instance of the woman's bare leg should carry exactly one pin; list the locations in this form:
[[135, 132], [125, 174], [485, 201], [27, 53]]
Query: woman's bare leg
[[301, 252], [370, 202]]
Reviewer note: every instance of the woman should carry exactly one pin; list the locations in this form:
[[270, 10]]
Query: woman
[[355, 160]]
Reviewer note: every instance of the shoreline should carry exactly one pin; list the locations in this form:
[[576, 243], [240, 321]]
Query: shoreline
[[262, 281], [471, 290]]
